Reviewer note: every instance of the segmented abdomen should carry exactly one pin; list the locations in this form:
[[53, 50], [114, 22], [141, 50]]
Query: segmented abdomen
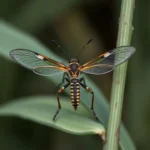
[[75, 93]]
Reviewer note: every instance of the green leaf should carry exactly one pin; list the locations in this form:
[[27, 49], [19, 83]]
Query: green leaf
[[11, 38], [41, 109]]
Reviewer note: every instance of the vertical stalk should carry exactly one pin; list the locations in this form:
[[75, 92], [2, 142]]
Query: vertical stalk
[[119, 76]]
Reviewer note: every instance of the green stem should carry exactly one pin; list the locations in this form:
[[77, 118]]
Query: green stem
[[119, 76]]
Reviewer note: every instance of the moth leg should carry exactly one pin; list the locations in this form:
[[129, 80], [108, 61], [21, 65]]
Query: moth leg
[[63, 79], [83, 80], [90, 91], [58, 92]]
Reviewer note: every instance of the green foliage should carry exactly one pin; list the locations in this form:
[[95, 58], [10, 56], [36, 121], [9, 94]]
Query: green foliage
[[41, 109], [11, 38], [119, 76]]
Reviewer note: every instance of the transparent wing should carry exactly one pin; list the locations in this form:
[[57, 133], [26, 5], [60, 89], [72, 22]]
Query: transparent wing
[[32, 60], [98, 69], [48, 71], [107, 61]]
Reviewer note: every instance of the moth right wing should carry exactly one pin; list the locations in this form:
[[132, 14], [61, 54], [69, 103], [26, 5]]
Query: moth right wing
[[106, 62]]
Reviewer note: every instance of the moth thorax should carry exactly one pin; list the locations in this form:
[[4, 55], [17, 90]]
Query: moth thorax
[[74, 67]]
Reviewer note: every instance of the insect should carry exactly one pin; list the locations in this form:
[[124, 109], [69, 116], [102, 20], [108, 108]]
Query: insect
[[42, 65]]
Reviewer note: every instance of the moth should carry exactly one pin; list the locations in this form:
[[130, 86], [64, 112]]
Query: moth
[[102, 64]]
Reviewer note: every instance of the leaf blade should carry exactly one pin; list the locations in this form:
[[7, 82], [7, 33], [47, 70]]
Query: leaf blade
[[41, 109]]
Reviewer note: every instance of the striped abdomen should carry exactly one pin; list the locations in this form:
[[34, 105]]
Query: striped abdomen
[[75, 93]]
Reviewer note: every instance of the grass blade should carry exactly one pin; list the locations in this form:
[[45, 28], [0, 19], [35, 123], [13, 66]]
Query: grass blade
[[119, 76]]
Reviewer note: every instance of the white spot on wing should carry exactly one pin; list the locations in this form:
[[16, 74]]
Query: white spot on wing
[[40, 57], [106, 55]]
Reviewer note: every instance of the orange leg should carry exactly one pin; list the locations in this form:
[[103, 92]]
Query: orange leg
[[90, 91], [59, 105]]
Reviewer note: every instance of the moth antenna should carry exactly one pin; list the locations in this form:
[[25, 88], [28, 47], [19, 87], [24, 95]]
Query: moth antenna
[[89, 41], [61, 48]]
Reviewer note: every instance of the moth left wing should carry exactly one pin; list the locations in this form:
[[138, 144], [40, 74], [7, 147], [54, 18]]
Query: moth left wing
[[107, 61], [48, 70], [32, 60]]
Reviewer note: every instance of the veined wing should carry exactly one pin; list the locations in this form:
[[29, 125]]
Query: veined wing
[[107, 61], [48, 70], [32, 60]]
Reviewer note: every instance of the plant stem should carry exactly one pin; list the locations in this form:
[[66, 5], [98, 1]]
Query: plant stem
[[119, 76]]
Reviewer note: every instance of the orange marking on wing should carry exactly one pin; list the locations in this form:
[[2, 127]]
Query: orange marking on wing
[[59, 68], [53, 61], [105, 53], [86, 67], [93, 60], [43, 56], [95, 65], [63, 69]]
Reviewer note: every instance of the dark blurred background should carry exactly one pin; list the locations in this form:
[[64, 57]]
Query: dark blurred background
[[72, 23]]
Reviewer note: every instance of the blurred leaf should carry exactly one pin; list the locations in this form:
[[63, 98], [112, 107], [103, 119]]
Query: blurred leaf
[[11, 38], [42, 110]]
